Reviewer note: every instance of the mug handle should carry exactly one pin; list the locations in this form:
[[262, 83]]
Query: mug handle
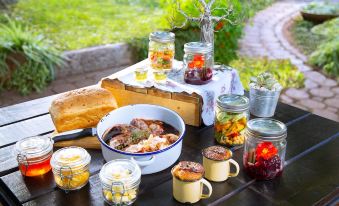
[[234, 174], [209, 186]]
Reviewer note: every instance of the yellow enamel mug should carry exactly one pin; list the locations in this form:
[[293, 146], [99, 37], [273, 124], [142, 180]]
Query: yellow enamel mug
[[190, 192], [219, 170]]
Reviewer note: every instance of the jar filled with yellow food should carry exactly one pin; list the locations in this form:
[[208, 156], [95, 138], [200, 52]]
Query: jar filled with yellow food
[[161, 53], [120, 180], [70, 166], [231, 116]]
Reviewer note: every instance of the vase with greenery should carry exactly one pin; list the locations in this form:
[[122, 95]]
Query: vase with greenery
[[264, 95], [27, 60]]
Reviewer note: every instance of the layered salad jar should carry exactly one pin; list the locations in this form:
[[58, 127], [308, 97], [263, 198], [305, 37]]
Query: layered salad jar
[[265, 147], [231, 116]]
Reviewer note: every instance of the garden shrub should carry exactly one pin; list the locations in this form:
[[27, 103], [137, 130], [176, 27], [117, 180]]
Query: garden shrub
[[27, 61], [283, 70]]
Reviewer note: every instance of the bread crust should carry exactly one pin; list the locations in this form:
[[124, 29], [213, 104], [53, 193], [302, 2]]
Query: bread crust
[[217, 153], [81, 108], [188, 171]]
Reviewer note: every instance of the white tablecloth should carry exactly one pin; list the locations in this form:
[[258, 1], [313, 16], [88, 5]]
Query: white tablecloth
[[224, 81]]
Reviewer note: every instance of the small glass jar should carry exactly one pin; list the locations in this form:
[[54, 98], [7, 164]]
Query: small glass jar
[[198, 63], [71, 167], [120, 180], [231, 116], [140, 74], [34, 155], [265, 147], [161, 53]]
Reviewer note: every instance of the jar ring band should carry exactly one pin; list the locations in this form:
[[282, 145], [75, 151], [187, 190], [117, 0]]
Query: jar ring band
[[69, 177], [22, 159]]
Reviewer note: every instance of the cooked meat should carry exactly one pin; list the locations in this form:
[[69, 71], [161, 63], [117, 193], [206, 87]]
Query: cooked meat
[[154, 126], [171, 138]]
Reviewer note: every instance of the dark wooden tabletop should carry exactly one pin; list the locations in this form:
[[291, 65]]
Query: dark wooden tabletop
[[310, 175]]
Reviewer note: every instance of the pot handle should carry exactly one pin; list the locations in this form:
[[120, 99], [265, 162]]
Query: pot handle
[[144, 163]]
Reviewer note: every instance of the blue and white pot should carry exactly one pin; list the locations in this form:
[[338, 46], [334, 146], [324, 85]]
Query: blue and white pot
[[150, 162]]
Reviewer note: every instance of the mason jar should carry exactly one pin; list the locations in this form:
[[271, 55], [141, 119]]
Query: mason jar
[[265, 147], [33, 155], [161, 53], [120, 180], [198, 63], [70, 166], [231, 116]]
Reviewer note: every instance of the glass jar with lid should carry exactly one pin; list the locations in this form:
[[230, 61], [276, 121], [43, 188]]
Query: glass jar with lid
[[265, 147], [231, 116], [34, 155], [120, 180], [198, 63], [71, 167], [161, 53]]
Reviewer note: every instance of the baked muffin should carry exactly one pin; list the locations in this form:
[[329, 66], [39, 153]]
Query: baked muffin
[[188, 171], [217, 153]]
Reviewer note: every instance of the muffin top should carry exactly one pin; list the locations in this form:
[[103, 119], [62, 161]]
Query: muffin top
[[217, 153], [188, 171]]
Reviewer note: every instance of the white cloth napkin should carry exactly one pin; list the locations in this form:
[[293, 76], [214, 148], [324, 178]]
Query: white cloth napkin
[[224, 81]]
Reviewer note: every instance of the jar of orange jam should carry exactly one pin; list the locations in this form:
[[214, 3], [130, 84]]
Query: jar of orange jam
[[34, 155], [71, 167]]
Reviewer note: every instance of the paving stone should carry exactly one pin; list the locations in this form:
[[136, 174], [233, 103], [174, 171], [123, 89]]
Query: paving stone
[[296, 93], [312, 104], [59, 88], [286, 99], [322, 92], [333, 102], [336, 90], [318, 99], [332, 109], [315, 76], [330, 83], [310, 84], [326, 114]]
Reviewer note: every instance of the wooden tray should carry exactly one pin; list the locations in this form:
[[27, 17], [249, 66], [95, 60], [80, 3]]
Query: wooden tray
[[187, 106], [90, 142]]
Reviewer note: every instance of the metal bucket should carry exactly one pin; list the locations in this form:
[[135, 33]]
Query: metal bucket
[[263, 103]]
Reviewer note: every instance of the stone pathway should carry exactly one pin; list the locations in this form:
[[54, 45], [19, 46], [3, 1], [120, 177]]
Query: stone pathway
[[58, 86], [264, 36]]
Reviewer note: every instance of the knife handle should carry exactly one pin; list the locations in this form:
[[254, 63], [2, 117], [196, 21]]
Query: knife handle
[[71, 135]]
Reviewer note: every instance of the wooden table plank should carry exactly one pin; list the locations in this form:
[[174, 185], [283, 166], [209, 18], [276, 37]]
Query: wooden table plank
[[25, 110], [12, 133]]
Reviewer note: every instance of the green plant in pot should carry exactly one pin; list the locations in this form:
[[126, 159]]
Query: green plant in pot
[[27, 61], [264, 95]]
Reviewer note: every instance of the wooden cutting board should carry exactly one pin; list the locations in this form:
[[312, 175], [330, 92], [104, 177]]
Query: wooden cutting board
[[90, 142]]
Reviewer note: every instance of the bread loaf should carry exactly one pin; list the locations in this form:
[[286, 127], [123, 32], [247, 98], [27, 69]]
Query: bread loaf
[[188, 171], [81, 108]]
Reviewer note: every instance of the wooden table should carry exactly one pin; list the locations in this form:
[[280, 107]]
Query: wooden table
[[310, 175]]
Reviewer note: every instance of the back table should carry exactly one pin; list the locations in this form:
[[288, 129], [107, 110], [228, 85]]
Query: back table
[[310, 175]]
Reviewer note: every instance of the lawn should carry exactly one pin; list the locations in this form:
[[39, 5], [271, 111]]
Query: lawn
[[75, 24]]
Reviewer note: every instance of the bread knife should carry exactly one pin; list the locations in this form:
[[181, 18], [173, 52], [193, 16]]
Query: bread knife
[[74, 134]]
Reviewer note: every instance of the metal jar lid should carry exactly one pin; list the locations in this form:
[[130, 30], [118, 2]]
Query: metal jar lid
[[34, 147], [266, 129], [162, 36], [233, 102], [198, 47]]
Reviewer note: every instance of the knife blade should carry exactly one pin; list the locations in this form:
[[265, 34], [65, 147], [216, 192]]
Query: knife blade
[[74, 134]]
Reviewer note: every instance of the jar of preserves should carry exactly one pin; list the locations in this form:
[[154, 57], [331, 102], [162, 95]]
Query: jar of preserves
[[265, 147], [71, 167], [34, 155], [120, 180], [198, 62], [161, 53], [231, 116]]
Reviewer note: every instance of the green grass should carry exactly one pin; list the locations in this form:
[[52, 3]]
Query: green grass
[[75, 24], [306, 40], [282, 69]]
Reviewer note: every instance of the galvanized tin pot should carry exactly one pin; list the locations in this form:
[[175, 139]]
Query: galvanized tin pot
[[263, 103]]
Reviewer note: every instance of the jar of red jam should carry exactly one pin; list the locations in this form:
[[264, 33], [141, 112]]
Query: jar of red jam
[[34, 155], [198, 62], [265, 147]]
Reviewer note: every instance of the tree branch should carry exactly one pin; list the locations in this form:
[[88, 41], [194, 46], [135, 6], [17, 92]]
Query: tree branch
[[210, 4], [203, 3], [189, 18]]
